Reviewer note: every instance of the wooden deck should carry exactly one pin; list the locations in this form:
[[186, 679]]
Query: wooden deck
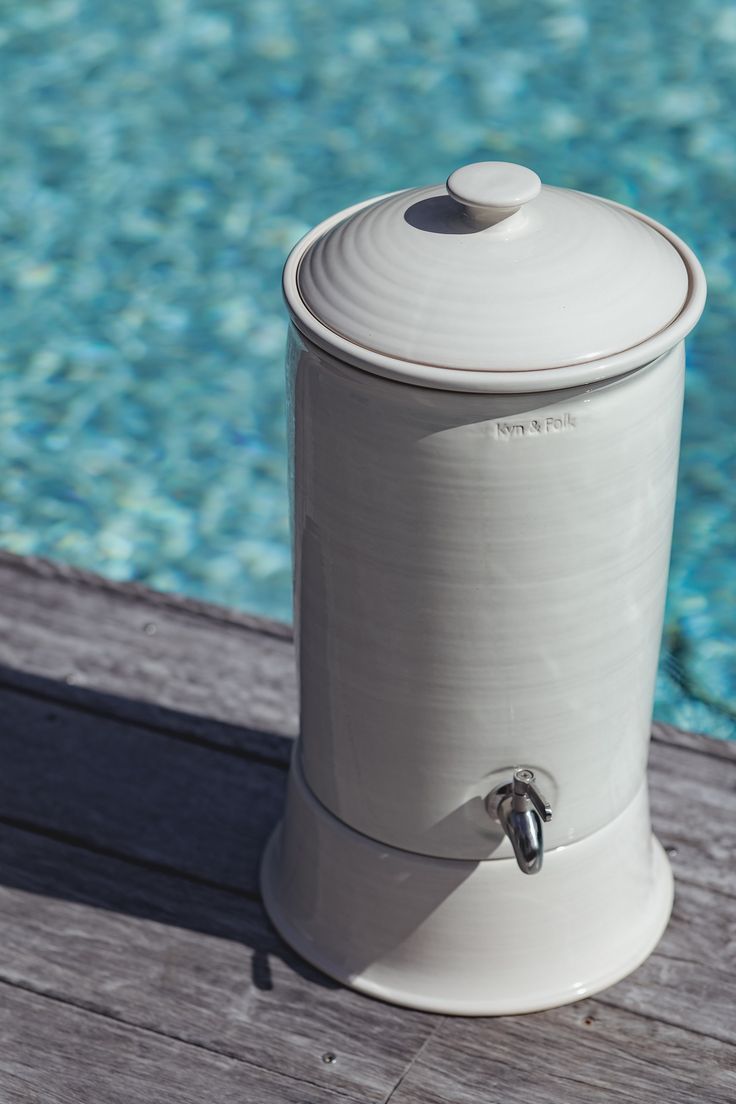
[[145, 742]]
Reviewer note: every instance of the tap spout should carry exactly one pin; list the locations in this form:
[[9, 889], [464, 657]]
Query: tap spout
[[521, 810]]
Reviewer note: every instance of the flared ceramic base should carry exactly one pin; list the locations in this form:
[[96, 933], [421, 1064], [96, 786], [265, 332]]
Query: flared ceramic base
[[463, 937]]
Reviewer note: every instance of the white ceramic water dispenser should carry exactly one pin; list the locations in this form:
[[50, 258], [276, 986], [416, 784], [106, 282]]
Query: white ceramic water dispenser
[[486, 391]]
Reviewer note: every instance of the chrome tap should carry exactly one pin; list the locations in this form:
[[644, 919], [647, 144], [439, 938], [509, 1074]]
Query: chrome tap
[[521, 809]]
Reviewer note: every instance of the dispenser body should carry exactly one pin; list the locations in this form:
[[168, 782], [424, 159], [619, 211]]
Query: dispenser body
[[485, 384], [479, 583]]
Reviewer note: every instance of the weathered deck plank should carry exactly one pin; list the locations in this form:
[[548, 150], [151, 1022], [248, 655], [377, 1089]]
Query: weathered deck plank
[[175, 654], [51, 1051], [134, 802], [584, 1053], [134, 792], [197, 964]]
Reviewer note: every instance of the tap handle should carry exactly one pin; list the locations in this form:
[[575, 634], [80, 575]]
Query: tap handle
[[523, 788]]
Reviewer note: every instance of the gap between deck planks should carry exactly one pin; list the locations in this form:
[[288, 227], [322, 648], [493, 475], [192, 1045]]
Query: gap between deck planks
[[134, 805]]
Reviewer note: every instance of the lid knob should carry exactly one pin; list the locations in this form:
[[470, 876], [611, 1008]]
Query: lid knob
[[490, 191]]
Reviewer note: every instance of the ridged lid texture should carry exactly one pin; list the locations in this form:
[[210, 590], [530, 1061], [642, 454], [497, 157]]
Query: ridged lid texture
[[493, 272]]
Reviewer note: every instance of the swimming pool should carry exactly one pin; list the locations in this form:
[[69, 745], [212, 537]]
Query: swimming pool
[[157, 162]]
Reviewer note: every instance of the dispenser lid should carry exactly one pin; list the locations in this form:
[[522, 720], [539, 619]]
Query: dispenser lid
[[492, 272]]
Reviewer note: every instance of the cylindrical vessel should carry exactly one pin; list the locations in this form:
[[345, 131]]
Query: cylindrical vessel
[[480, 559], [480, 581]]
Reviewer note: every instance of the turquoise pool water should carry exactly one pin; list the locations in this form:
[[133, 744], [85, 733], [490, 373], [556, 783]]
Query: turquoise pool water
[[158, 160]]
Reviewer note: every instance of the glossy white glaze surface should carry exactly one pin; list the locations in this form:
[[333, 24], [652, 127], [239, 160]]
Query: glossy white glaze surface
[[463, 937], [420, 276], [480, 582]]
